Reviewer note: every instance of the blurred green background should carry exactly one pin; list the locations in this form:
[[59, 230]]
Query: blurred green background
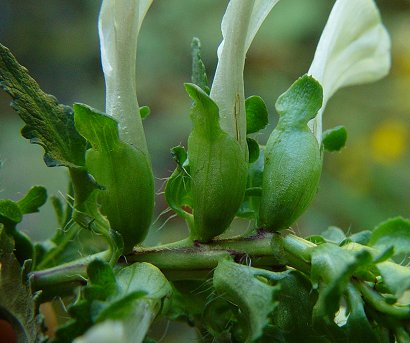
[[58, 42]]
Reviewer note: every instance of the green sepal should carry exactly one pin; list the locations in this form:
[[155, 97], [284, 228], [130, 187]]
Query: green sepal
[[218, 169], [293, 160], [199, 77], [256, 114], [123, 172], [334, 139], [48, 123], [33, 200]]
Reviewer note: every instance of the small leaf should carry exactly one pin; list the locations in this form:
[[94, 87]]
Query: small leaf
[[145, 111], [256, 114], [395, 277], [394, 232], [33, 200], [199, 77], [249, 289], [334, 139], [333, 235], [253, 148], [10, 213], [48, 123], [16, 300]]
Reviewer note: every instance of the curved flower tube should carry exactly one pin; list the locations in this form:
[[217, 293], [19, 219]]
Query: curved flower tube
[[354, 48], [240, 23], [118, 25]]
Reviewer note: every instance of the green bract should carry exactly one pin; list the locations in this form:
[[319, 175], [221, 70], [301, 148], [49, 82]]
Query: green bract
[[217, 166], [293, 159], [124, 172]]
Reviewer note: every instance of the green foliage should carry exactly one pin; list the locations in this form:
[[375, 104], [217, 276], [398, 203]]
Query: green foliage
[[293, 161], [256, 114], [121, 305], [48, 123], [17, 303], [127, 194], [199, 77]]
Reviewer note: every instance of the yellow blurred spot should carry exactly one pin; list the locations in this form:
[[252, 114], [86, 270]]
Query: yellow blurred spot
[[389, 141]]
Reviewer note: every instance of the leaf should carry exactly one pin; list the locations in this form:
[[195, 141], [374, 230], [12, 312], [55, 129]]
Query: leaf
[[334, 139], [199, 77], [253, 148], [393, 232], [145, 111], [116, 307], [395, 277], [250, 205], [124, 172], [33, 200], [332, 269], [10, 213], [17, 304], [256, 114], [247, 288], [333, 235], [178, 190], [48, 123]]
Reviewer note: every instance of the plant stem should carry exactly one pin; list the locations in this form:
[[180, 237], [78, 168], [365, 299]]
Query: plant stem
[[188, 259]]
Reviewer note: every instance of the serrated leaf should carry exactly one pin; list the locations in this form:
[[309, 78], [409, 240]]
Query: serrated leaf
[[253, 149], [33, 200], [334, 139], [245, 287], [199, 77], [48, 123], [17, 304], [394, 232], [256, 114]]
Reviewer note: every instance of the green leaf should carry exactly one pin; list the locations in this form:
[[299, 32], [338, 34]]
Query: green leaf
[[395, 277], [395, 233], [125, 174], [48, 123], [253, 148], [256, 114], [116, 307], [33, 200], [333, 235], [332, 269], [10, 213], [250, 206], [334, 139], [178, 190], [199, 77], [249, 289], [145, 111], [17, 304]]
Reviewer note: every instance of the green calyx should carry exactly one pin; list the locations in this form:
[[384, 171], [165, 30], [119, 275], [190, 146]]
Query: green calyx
[[293, 160], [127, 194], [217, 167]]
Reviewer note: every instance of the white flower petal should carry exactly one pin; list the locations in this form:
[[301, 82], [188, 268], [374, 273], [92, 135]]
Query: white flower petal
[[118, 26], [354, 48], [240, 23]]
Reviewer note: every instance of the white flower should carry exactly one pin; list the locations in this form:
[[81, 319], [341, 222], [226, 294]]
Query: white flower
[[354, 48], [118, 26], [240, 23]]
